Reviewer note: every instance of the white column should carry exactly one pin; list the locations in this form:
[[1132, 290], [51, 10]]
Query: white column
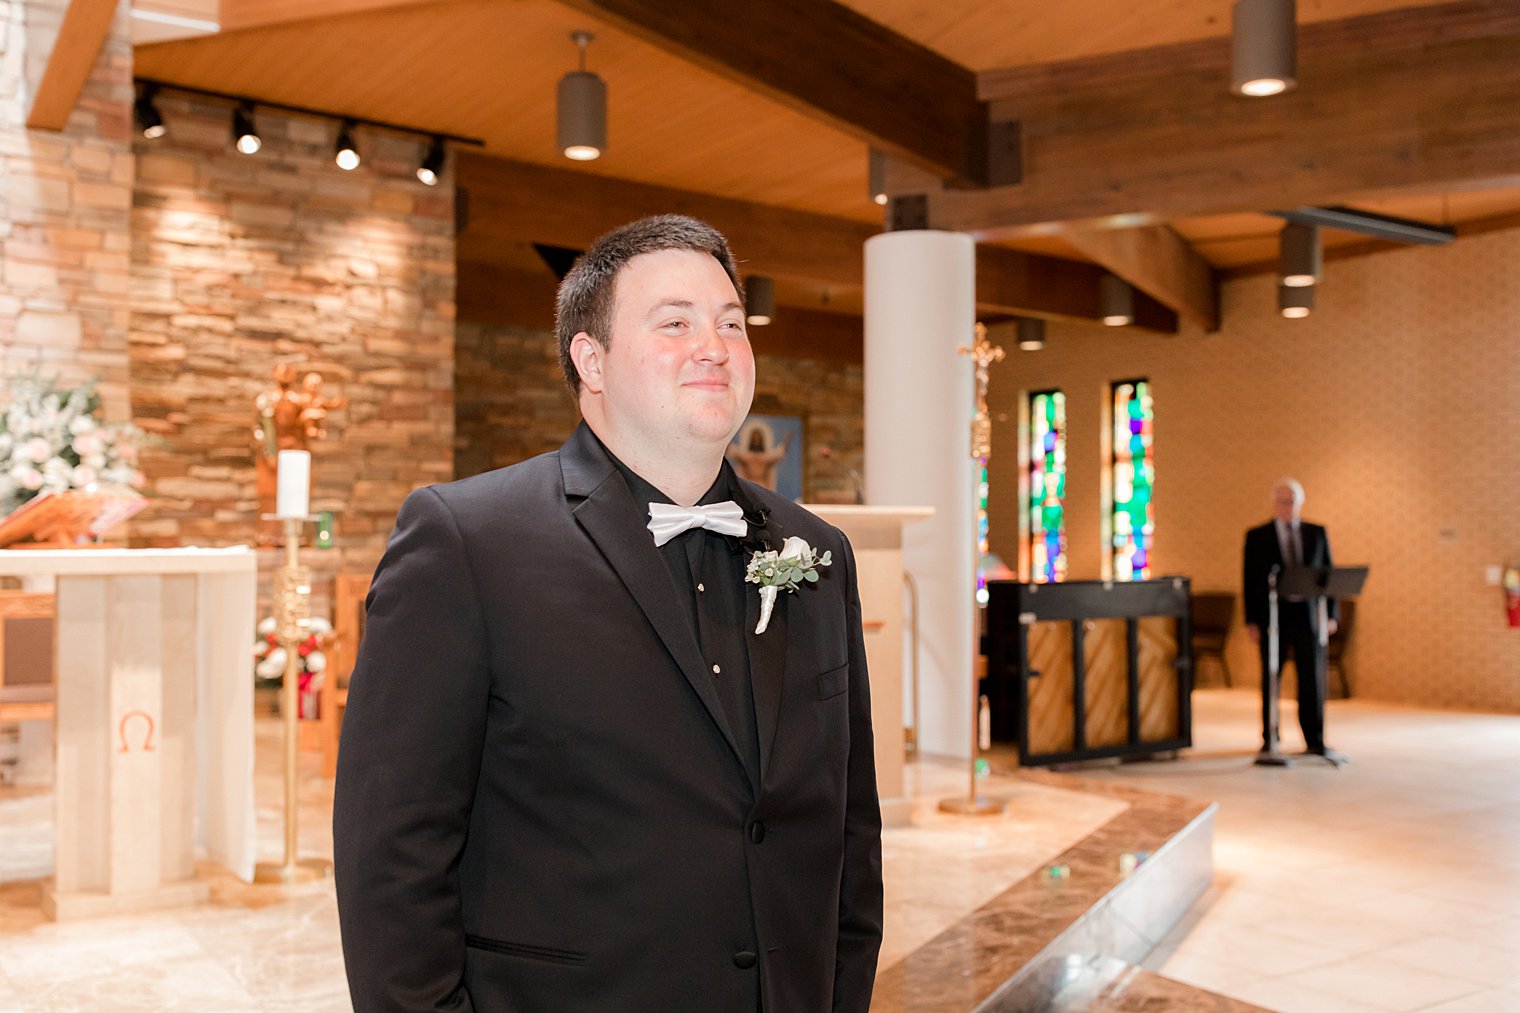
[[920, 306]]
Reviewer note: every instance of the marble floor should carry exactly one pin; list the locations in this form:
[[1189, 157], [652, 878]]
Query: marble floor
[[1391, 885]]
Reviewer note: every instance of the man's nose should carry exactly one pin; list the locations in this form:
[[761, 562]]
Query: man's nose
[[710, 346]]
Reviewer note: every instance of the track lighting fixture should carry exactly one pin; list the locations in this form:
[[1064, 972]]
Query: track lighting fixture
[[1298, 255], [346, 152], [1116, 301], [1264, 56], [244, 135], [432, 163], [1031, 332], [1295, 303], [149, 120], [582, 115], [759, 299], [876, 175]]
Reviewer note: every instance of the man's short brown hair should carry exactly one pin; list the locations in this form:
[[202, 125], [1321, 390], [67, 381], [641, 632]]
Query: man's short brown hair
[[585, 300]]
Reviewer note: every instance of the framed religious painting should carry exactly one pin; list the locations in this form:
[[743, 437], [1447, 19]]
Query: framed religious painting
[[769, 451]]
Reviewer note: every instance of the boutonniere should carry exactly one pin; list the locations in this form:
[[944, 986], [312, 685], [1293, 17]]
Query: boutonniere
[[795, 564]]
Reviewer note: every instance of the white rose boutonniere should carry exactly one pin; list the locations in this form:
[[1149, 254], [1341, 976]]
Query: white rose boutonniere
[[797, 563]]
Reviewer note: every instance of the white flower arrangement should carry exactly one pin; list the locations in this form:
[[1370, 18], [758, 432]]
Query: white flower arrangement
[[794, 565], [51, 441]]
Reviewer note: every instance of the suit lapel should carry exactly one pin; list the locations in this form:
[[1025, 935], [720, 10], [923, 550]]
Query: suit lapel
[[610, 517], [767, 651]]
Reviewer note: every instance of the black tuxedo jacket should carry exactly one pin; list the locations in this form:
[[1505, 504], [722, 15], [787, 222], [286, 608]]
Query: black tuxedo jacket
[[540, 807], [1263, 552]]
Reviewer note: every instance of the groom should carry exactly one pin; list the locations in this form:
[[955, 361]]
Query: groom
[[573, 777]]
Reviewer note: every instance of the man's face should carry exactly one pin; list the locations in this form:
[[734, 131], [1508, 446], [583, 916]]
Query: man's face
[[679, 369], [1285, 504]]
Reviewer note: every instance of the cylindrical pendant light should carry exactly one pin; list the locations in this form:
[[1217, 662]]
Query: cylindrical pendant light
[[1116, 301], [432, 163], [1265, 54], [1031, 332], [876, 175], [1295, 303], [1299, 259], [582, 118], [759, 299]]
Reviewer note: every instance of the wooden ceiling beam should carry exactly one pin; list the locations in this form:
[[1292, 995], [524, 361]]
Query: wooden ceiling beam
[[81, 33], [831, 64], [506, 202], [1417, 98], [1159, 262]]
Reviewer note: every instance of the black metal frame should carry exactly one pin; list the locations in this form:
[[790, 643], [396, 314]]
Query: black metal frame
[[1013, 607]]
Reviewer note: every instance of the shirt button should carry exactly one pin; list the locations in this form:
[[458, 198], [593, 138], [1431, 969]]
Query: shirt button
[[717, 670], [744, 960], [701, 587], [757, 832]]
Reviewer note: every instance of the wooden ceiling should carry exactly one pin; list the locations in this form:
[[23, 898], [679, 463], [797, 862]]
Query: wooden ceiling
[[683, 117]]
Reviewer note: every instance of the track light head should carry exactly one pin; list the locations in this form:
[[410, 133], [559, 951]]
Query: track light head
[[876, 176], [1116, 301], [149, 120], [759, 300], [582, 109], [1264, 54], [346, 152], [244, 135], [432, 163], [1031, 334]]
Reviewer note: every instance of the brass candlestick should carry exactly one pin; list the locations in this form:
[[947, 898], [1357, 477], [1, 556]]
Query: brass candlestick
[[983, 354], [292, 614]]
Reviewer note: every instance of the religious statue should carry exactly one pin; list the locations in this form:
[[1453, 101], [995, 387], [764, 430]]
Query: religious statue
[[288, 419]]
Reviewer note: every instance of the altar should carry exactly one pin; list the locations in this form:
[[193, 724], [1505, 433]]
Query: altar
[[154, 721], [876, 538]]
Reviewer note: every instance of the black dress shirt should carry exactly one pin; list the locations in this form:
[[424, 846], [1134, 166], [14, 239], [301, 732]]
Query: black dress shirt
[[708, 570]]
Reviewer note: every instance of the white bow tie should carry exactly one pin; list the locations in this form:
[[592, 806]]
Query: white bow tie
[[666, 520]]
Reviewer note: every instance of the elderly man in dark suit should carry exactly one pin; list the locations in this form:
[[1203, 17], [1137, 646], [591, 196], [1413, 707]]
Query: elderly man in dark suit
[[588, 763], [1286, 541]]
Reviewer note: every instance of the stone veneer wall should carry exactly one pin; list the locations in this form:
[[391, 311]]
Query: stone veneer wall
[[1395, 404], [65, 201], [242, 262], [512, 403]]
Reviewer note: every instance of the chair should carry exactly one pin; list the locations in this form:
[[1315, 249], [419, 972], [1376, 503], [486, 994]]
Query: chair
[[1213, 614], [349, 592], [31, 700], [1339, 645]]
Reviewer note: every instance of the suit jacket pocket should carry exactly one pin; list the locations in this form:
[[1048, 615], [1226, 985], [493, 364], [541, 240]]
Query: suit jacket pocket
[[833, 682], [527, 951]]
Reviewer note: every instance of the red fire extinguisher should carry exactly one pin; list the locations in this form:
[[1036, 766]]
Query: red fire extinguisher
[[1512, 594]]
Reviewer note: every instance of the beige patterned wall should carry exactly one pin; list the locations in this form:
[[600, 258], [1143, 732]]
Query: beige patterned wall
[[1397, 404], [65, 198]]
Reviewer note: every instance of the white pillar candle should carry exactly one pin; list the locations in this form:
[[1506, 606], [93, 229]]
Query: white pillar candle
[[293, 490]]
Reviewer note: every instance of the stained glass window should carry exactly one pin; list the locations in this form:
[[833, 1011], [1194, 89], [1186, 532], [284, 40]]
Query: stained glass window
[[1047, 486], [1133, 480]]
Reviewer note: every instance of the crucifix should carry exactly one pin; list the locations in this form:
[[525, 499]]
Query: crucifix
[[982, 354]]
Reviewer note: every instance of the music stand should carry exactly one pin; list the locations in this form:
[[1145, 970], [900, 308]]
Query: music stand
[[1316, 583]]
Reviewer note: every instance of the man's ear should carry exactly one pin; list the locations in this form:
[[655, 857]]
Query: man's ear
[[587, 354]]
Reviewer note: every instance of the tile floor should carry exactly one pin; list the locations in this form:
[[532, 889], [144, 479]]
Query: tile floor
[[1391, 884]]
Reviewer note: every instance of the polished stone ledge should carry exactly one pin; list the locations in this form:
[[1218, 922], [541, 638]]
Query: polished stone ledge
[[1092, 901]]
